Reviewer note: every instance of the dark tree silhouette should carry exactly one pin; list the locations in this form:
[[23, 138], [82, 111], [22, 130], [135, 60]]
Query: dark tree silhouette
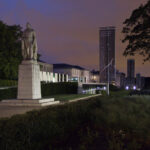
[[10, 50], [136, 32]]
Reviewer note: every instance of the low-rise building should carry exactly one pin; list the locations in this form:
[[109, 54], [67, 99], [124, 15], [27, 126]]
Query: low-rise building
[[47, 74], [95, 76], [139, 81], [120, 79], [75, 73]]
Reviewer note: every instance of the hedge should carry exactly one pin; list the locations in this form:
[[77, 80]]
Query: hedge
[[10, 93], [46, 90], [4, 83], [49, 89]]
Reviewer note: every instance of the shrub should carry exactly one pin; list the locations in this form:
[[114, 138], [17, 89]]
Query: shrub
[[4, 83], [99, 123], [10, 93], [49, 89]]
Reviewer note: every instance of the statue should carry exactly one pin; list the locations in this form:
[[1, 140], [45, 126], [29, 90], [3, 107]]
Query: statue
[[29, 44]]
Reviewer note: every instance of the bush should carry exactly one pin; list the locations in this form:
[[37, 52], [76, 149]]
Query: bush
[[105, 123], [49, 89], [4, 83], [10, 93], [46, 90], [114, 88]]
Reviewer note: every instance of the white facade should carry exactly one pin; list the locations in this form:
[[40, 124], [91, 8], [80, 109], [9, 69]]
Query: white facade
[[74, 74], [47, 74]]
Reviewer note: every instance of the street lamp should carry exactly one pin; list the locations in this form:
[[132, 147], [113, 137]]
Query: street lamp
[[107, 66]]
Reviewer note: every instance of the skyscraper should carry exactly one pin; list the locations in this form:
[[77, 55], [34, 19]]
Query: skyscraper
[[130, 68], [107, 53], [130, 72]]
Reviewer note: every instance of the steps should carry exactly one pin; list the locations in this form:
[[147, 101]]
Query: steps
[[40, 102]]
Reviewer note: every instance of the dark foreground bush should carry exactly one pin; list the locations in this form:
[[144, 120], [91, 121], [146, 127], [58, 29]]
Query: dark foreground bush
[[49, 89], [104, 123], [142, 92]]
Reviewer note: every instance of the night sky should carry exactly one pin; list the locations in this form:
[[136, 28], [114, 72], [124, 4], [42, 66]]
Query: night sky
[[67, 30]]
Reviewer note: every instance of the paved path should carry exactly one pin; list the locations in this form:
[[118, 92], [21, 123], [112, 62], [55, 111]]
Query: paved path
[[8, 111]]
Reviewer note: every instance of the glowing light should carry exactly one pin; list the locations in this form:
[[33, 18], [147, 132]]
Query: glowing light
[[127, 87], [83, 91], [104, 87], [134, 87]]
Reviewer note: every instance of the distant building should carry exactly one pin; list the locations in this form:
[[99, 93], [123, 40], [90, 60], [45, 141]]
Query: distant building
[[107, 53], [147, 83], [95, 76], [120, 79], [47, 74], [130, 81], [75, 73], [140, 81], [130, 68]]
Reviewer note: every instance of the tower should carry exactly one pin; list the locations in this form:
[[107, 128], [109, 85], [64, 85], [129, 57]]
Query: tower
[[130, 68], [130, 72], [107, 54]]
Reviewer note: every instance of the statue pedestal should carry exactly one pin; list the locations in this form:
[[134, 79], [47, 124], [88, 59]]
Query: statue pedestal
[[29, 86]]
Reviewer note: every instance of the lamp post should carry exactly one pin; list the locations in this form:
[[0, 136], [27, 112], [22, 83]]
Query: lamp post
[[107, 66]]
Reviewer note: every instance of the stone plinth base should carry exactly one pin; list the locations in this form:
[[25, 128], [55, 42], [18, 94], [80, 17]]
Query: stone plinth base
[[29, 86], [40, 102]]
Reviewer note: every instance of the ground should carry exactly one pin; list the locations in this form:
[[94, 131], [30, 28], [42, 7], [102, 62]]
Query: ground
[[8, 111]]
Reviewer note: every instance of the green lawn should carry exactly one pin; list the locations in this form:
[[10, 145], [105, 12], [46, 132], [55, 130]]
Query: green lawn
[[115, 122]]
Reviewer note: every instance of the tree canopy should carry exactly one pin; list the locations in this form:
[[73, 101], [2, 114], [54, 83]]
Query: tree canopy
[[10, 50], [136, 32]]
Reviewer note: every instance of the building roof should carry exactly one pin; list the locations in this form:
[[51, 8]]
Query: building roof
[[58, 66], [108, 28]]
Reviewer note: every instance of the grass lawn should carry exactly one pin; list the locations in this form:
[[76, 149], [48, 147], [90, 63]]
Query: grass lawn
[[115, 122]]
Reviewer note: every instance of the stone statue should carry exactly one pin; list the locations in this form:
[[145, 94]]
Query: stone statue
[[29, 44]]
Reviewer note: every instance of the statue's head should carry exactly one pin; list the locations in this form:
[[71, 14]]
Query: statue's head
[[28, 26]]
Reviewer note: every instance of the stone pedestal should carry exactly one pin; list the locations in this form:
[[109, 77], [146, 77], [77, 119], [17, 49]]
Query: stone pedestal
[[29, 87]]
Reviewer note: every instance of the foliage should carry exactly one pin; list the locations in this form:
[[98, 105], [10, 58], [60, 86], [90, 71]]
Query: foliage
[[114, 123], [10, 50], [10, 93], [49, 89], [114, 88], [4, 83], [137, 32]]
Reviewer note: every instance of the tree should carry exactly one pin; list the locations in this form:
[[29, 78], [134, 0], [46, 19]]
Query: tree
[[10, 50], [137, 32]]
